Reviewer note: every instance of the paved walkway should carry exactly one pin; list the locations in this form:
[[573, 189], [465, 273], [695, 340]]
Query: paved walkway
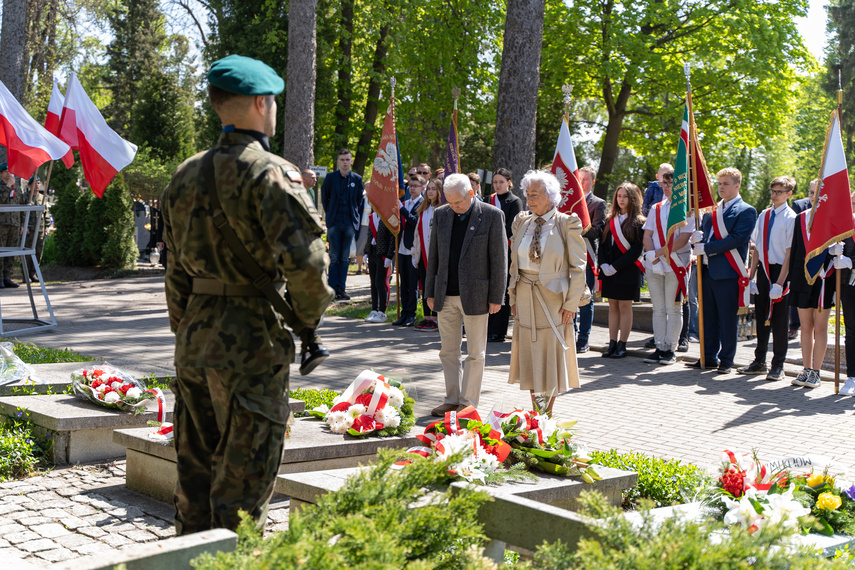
[[625, 404]]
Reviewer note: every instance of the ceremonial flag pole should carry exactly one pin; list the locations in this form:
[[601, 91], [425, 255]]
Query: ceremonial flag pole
[[566, 170], [398, 174], [830, 218], [837, 273], [693, 191], [452, 147]]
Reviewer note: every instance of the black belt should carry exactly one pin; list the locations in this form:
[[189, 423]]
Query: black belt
[[218, 288]]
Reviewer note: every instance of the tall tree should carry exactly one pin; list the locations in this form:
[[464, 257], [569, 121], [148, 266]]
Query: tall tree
[[375, 82], [841, 52], [134, 56], [629, 56], [299, 124], [13, 50], [345, 72], [519, 81]]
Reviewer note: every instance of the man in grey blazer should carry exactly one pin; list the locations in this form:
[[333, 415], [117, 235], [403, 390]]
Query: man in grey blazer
[[465, 283]]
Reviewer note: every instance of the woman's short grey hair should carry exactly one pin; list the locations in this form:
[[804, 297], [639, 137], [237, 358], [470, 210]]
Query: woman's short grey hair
[[457, 184], [549, 182]]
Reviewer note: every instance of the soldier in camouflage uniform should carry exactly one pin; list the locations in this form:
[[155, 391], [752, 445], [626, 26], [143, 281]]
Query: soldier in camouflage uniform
[[34, 188], [232, 350], [10, 224]]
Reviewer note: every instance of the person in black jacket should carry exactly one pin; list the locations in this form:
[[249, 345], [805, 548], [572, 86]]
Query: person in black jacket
[[847, 298], [511, 205], [620, 269], [409, 274], [379, 251]]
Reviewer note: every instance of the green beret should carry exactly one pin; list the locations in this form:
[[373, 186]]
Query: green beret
[[245, 76], [4, 167]]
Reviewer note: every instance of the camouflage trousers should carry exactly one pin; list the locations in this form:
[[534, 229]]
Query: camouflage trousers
[[10, 236], [229, 436]]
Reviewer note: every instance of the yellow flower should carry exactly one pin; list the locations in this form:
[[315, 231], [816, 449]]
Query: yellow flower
[[828, 501], [817, 479]]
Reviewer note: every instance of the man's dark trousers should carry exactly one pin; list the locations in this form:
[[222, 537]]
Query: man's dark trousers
[[777, 325], [721, 303]]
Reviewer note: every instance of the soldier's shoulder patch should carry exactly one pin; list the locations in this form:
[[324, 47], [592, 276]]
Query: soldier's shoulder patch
[[294, 176]]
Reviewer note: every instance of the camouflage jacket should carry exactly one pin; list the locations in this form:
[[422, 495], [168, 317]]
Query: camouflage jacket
[[35, 215], [6, 199], [272, 215]]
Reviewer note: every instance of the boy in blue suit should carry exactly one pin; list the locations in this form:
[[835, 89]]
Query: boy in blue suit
[[723, 244]]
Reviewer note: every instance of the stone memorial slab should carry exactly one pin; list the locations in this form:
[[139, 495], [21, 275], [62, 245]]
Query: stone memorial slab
[[81, 430], [57, 377], [561, 492], [150, 466]]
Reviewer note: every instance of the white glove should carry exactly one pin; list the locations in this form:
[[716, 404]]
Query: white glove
[[365, 258], [753, 288], [415, 263], [608, 269], [387, 262], [697, 237], [649, 257], [841, 262], [776, 292], [836, 248], [698, 249]]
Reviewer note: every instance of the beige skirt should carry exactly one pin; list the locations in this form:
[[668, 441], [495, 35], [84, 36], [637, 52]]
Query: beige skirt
[[538, 360]]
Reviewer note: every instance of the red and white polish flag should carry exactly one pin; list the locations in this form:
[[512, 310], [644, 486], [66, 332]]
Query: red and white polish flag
[[54, 111], [567, 172], [102, 151], [28, 144]]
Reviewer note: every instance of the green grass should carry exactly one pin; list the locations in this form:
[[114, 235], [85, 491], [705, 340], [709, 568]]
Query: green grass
[[361, 310], [20, 450], [33, 354]]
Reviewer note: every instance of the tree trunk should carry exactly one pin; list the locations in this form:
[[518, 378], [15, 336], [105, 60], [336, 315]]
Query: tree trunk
[[299, 121], [345, 70], [617, 113], [519, 80], [378, 76], [13, 50]]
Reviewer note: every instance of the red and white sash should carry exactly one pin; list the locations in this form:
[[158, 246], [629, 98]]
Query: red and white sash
[[673, 259], [372, 224], [825, 273], [494, 200], [423, 239], [733, 257], [621, 241], [764, 251]]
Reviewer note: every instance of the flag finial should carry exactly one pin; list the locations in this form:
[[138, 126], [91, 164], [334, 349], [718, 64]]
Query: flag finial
[[567, 89], [392, 81], [687, 70], [455, 92]]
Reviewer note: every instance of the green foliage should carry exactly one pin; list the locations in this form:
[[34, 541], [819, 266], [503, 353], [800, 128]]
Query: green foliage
[[841, 52], [744, 58], [49, 253], [148, 175], [313, 397], [33, 354], [381, 518], [92, 231], [152, 381], [20, 450], [119, 250], [663, 482], [672, 544]]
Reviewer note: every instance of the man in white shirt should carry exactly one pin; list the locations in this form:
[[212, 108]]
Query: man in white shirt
[[772, 237], [409, 274], [662, 282]]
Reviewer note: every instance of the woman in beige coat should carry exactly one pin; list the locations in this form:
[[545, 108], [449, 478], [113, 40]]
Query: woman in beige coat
[[546, 283]]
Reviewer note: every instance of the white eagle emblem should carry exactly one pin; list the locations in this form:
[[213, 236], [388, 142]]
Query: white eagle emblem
[[564, 182], [387, 160]]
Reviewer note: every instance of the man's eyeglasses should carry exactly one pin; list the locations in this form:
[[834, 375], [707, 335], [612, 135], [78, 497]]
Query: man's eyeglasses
[[778, 192], [424, 172]]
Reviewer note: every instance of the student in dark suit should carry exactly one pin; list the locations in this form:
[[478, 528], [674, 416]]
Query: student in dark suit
[[510, 204], [620, 268], [466, 280], [597, 212], [723, 243]]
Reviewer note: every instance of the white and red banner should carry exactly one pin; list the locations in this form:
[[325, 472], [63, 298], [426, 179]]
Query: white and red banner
[[54, 112], [102, 151], [28, 144], [565, 169], [831, 216]]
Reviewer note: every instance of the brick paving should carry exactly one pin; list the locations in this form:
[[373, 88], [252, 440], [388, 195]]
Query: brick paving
[[671, 411]]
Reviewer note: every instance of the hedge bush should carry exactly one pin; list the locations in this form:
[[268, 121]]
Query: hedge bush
[[665, 482]]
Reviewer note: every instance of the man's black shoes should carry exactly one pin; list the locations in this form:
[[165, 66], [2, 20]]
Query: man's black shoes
[[311, 355]]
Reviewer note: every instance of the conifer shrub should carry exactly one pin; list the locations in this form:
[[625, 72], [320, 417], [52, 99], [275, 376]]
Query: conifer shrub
[[119, 250], [381, 519]]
